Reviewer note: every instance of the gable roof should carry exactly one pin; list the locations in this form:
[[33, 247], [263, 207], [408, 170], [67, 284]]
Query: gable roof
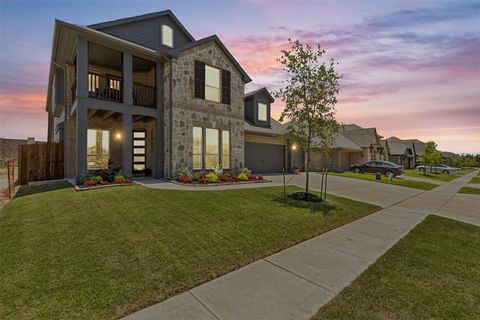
[[147, 16], [351, 126], [176, 52], [361, 137], [263, 90]]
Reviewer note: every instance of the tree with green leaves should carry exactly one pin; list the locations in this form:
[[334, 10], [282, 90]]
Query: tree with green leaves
[[310, 94], [431, 156]]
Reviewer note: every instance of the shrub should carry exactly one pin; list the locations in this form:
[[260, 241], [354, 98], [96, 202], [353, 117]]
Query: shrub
[[97, 178], [252, 177], [119, 179], [185, 180], [185, 173], [103, 182], [211, 177], [201, 180], [234, 178], [245, 171], [223, 178], [243, 176], [259, 178], [90, 182], [196, 176], [218, 170]]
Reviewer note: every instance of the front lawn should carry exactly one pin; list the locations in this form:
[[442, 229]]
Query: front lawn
[[106, 253], [475, 180], [432, 273], [469, 190], [396, 182], [437, 176]]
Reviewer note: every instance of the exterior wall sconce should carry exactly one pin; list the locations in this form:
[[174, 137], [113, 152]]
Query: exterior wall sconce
[[118, 136], [294, 147]]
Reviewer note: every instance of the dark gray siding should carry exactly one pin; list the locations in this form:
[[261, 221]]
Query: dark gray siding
[[148, 32], [261, 97], [264, 158], [249, 110], [59, 87]]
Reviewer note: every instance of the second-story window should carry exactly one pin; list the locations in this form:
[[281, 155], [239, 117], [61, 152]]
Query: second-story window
[[212, 84], [262, 112], [167, 36]]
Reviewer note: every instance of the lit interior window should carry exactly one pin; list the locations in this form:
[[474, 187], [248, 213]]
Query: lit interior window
[[262, 112], [197, 148], [98, 148], [226, 149], [167, 36], [212, 84]]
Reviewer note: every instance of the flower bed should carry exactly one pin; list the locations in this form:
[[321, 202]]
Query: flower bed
[[102, 181], [216, 177]]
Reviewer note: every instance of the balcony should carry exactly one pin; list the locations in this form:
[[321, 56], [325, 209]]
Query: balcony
[[144, 95], [105, 87]]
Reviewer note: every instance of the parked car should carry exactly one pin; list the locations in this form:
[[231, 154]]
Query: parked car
[[375, 166], [443, 168]]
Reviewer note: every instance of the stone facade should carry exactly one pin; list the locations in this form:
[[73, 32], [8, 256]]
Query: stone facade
[[188, 111]]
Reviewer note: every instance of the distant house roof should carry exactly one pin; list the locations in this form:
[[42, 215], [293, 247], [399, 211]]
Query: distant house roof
[[397, 148], [264, 90], [147, 16], [416, 144], [176, 51], [362, 137], [276, 128]]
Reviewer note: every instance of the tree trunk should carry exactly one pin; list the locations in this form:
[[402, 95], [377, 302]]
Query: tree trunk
[[307, 170]]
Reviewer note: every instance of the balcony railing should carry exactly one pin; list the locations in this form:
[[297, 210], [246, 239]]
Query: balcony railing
[[105, 87], [144, 95]]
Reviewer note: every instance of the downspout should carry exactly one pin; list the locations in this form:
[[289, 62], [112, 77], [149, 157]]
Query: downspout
[[171, 119]]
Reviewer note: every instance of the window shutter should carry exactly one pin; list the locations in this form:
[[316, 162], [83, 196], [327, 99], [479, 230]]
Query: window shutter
[[199, 79], [226, 87]]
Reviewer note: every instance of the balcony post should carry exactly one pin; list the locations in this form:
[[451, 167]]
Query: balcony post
[[127, 149], [82, 68], [82, 127], [127, 79]]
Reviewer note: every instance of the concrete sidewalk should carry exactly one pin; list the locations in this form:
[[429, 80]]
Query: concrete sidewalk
[[296, 282]]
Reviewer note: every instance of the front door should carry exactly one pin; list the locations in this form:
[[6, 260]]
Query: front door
[[139, 151]]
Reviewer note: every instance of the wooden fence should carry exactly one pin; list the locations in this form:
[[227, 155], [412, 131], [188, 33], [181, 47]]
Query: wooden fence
[[40, 161]]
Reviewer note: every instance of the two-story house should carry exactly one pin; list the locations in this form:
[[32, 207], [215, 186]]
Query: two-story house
[[142, 94]]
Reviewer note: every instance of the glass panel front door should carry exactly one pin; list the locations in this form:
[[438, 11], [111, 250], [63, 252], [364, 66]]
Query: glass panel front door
[[139, 151]]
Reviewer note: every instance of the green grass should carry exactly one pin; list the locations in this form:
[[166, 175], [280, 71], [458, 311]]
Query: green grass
[[105, 253], [396, 182], [475, 180], [437, 176], [432, 273], [469, 190]]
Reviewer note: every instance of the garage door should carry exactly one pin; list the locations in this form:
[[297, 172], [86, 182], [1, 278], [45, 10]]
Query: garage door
[[264, 158]]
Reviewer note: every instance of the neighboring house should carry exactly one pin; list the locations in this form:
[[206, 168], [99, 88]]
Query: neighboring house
[[400, 153], [9, 148], [365, 138], [266, 151], [342, 155], [143, 95]]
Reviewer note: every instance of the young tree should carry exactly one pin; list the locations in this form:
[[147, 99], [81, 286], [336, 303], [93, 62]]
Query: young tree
[[431, 157], [310, 94]]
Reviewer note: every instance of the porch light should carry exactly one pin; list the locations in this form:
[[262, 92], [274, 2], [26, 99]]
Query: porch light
[[118, 136], [294, 147]]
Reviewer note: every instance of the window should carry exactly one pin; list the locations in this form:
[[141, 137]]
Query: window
[[262, 112], [226, 149], [97, 149], [212, 84], [211, 148], [167, 36], [197, 148], [139, 151]]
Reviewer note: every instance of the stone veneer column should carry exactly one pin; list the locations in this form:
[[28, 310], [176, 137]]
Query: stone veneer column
[[127, 149]]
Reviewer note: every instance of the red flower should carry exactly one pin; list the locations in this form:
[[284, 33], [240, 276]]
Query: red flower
[[223, 178], [234, 177], [259, 178], [104, 182], [90, 182], [252, 177], [201, 180]]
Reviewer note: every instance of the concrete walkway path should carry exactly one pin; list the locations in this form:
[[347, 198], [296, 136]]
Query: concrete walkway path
[[296, 282]]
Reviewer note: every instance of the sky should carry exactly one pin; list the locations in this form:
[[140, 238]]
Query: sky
[[410, 69]]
